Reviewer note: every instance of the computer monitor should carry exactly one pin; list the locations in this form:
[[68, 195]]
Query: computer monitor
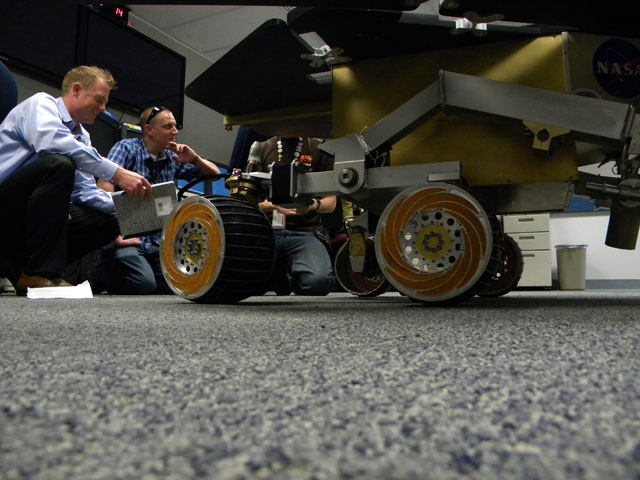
[[148, 73], [40, 37], [50, 38]]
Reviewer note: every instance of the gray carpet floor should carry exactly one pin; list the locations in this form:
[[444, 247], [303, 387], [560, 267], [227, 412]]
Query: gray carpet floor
[[533, 385]]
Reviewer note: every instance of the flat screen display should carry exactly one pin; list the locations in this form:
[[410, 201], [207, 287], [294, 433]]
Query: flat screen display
[[147, 73], [40, 36], [50, 38]]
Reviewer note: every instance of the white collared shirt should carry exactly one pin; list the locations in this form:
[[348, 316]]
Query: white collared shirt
[[41, 125]]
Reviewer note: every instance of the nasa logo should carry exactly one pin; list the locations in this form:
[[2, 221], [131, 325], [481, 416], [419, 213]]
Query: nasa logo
[[616, 66]]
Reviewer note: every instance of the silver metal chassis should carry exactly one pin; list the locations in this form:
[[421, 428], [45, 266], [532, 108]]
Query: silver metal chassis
[[602, 122]]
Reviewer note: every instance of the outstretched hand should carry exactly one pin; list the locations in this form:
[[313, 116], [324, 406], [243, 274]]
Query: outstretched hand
[[267, 207], [121, 242]]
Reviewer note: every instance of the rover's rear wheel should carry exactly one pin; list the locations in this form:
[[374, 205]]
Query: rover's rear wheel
[[368, 283], [437, 244], [509, 272], [217, 249]]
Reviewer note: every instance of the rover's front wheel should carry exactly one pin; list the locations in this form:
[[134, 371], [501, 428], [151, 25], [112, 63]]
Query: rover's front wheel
[[217, 249]]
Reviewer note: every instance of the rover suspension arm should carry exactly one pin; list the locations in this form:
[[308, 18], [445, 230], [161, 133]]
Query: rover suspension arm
[[546, 113]]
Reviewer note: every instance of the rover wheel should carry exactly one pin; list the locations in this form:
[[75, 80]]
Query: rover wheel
[[437, 244], [509, 272], [368, 283], [217, 249]]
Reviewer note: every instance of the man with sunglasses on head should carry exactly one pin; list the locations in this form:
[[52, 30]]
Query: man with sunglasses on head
[[132, 266], [52, 211]]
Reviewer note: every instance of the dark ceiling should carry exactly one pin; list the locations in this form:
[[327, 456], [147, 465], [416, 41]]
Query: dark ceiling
[[618, 17]]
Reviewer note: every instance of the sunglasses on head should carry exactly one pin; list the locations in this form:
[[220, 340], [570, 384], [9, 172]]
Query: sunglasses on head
[[155, 111]]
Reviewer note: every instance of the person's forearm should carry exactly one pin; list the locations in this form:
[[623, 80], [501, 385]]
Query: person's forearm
[[326, 204], [205, 167]]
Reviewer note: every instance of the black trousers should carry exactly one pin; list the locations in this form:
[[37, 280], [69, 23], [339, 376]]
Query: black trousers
[[41, 231]]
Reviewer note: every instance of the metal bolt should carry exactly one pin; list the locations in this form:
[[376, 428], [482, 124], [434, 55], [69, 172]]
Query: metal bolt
[[348, 177], [543, 135]]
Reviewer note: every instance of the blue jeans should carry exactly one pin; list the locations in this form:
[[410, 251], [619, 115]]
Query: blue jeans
[[131, 271], [306, 260]]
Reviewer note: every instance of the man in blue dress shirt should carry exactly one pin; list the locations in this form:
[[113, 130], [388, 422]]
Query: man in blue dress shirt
[[45, 157], [132, 266]]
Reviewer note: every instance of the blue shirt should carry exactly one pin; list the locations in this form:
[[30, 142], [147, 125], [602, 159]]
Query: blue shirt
[[132, 154], [41, 125]]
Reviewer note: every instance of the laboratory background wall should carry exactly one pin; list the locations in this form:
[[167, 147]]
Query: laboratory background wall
[[606, 267], [204, 130]]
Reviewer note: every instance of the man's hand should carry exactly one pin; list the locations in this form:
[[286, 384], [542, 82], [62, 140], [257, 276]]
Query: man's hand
[[132, 183], [128, 242], [289, 212], [267, 207], [185, 152]]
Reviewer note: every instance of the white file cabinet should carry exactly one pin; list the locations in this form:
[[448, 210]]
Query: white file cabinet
[[531, 232]]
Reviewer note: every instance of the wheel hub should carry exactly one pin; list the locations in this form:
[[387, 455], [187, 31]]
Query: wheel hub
[[191, 248], [432, 241]]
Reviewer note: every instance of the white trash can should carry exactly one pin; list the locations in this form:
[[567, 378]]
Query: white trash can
[[572, 266]]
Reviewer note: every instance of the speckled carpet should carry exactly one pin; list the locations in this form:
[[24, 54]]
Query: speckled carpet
[[534, 385]]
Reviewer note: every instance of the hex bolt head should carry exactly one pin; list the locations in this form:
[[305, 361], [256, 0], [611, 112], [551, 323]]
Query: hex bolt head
[[348, 177]]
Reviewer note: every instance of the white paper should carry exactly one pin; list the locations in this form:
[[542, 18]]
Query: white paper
[[163, 206], [79, 291]]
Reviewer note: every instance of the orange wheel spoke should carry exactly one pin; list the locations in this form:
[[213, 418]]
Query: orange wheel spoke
[[433, 242]]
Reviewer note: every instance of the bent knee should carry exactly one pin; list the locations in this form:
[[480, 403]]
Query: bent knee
[[132, 285], [60, 163], [144, 286], [61, 168], [314, 286]]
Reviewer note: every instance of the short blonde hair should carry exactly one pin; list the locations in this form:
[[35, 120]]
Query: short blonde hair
[[87, 76]]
